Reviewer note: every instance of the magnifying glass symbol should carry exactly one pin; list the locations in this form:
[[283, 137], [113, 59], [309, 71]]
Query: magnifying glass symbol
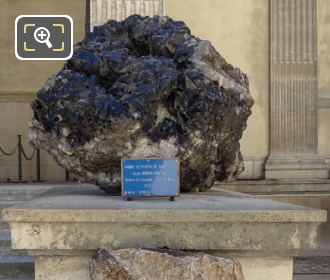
[[41, 35]]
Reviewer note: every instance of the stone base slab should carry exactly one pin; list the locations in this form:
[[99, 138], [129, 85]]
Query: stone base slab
[[277, 186], [296, 168]]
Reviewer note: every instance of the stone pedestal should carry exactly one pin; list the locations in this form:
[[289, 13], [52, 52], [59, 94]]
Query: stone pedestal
[[293, 92], [64, 227]]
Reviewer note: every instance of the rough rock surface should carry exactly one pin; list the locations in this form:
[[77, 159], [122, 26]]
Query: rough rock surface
[[140, 88], [138, 264]]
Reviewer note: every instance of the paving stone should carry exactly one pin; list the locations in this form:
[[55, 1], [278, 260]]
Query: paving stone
[[311, 277], [312, 265]]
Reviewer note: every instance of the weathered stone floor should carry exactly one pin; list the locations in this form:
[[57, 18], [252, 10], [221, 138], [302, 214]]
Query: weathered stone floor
[[312, 268]]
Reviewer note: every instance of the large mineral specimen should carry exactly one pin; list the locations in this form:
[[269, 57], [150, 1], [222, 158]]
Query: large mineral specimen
[[141, 88]]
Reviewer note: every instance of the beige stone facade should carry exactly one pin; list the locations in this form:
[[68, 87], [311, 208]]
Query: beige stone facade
[[239, 29]]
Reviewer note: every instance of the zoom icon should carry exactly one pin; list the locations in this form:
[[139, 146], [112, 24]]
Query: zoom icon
[[43, 37], [39, 35]]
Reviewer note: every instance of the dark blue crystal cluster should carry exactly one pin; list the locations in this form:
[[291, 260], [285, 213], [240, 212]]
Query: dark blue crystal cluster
[[144, 87]]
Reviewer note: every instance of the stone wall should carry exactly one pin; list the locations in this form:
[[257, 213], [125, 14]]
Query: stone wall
[[239, 29], [19, 80], [323, 44]]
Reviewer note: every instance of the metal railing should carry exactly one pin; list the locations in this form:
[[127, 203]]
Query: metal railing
[[20, 155]]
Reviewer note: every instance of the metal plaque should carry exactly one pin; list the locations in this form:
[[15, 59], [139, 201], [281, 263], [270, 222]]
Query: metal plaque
[[150, 177]]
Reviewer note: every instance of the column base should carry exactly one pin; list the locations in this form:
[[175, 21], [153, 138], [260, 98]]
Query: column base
[[297, 167]]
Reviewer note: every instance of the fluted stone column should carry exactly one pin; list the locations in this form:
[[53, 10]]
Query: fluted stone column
[[293, 91], [103, 10]]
